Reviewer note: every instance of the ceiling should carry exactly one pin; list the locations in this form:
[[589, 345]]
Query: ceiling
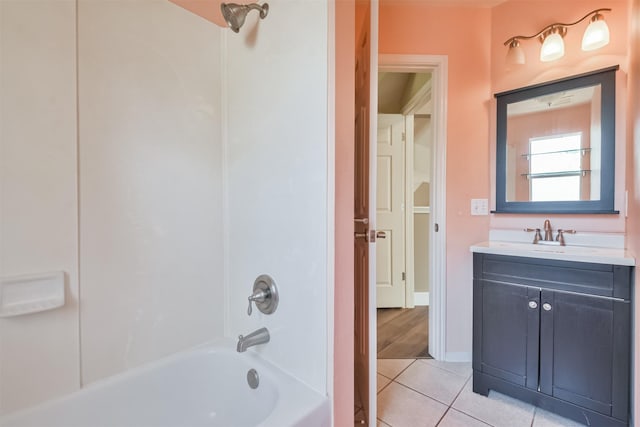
[[564, 99], [391, 87], [396, 90]]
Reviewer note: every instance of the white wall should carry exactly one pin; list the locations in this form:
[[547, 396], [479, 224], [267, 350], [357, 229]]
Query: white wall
[[422, 152], [277, 181], [148, 238], [38, 205], [150, 183]]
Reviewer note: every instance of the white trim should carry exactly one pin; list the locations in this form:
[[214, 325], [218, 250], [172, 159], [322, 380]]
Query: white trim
[[409, 276], [373, 134], [421, 298], [458, 357], [331, 197], [422, 209], [438, 66]]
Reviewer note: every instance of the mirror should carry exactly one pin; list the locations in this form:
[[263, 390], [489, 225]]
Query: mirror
[[556, 146]]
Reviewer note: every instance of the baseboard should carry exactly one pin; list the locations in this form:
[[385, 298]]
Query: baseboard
[[457, 357], [421, 298]]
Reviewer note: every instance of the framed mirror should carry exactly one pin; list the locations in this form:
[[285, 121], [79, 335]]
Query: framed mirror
[[556, 146]]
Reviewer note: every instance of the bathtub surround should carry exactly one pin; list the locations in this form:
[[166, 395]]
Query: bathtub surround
[[276, 183], [38, 199], [166, 202], [150, 183], [125, 203]]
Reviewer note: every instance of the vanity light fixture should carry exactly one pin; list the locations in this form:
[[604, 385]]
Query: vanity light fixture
[[552, 38]]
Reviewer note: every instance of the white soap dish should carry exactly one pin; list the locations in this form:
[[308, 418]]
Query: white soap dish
[[31, 293]]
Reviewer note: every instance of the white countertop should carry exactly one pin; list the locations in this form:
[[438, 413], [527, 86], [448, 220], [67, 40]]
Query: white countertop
[[598, 255]]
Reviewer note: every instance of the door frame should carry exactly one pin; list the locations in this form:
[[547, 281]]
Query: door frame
[[437, 65]]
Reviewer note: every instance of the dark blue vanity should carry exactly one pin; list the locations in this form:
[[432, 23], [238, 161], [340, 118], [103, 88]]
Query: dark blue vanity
[[554, 333]]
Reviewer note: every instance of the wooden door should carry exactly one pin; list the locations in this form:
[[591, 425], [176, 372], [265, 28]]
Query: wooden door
[[361, 260], [364, 215], [390, 191]]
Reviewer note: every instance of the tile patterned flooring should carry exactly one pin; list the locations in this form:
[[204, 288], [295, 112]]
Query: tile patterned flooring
[[429, 393]]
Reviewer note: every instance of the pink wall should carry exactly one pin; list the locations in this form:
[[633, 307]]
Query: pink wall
[[526, 17], [461, 33], [344, 152], [633, 180], [208, 9]]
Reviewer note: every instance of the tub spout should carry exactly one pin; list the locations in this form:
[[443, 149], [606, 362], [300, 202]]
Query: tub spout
[[259, 336]]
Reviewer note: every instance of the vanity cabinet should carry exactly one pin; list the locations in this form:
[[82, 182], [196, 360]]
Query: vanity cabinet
[[555, 334]]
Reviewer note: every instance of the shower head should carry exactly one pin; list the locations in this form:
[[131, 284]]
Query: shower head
[[235, 14]]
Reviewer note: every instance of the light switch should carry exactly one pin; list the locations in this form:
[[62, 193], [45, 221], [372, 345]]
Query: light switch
[[479, 206]]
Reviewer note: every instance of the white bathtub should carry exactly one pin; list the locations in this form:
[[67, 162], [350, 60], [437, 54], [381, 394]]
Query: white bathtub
[[203, 387]]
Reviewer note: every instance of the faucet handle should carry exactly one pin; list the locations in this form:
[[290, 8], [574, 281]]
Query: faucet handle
[[258, 296], [265, 295], [537, 236], [560, 236]]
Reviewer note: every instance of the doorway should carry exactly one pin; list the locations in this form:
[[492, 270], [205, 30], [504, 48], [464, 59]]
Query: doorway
[[424, 104], [404, 147]]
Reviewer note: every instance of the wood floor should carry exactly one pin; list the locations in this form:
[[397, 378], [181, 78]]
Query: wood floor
[[403, 333]]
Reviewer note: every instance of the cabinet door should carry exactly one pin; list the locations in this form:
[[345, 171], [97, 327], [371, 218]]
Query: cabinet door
[[506, 330], [584, 351]]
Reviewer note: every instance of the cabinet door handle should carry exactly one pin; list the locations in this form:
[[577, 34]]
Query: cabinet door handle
[[546, 306], [533, 304]]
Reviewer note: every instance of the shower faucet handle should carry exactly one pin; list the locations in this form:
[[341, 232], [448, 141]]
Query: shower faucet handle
[[257, 296], [265, 295]]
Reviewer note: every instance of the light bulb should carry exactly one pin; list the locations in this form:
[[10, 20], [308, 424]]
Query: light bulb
[[596, 35], [552, 48]]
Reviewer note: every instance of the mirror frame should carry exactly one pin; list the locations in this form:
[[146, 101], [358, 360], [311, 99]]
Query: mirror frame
[[606, 78]]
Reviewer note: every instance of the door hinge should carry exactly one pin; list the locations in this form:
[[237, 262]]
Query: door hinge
[[404, 136], [404, 276]]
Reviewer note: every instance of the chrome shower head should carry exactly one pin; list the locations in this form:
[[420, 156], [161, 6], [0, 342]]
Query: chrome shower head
[[235, 14]]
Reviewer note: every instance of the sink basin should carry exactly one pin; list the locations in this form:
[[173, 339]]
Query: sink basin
[[565, 249]]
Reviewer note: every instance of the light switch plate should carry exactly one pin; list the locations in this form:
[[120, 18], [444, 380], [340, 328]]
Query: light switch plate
[[479, 206]]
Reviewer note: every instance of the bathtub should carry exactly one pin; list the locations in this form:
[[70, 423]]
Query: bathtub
[[206, 386]]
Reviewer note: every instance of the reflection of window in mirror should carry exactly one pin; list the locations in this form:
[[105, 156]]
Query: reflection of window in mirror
[[555, 169], [550, 148]]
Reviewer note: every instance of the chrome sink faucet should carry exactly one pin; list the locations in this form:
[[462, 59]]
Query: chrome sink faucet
[[260, 336]]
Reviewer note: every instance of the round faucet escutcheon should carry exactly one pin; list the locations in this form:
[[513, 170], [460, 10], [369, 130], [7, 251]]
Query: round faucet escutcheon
[[265, 295]]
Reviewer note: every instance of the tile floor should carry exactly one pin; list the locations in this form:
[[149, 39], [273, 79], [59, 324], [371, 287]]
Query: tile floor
[[429, 393]]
